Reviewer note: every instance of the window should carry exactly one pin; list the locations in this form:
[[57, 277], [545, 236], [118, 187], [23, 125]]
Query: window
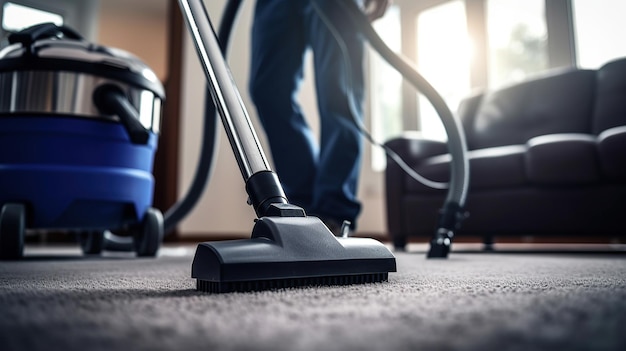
[[443, 58], [517, 40], [599, 31], [16, 17], [511, 45], [386, 87]]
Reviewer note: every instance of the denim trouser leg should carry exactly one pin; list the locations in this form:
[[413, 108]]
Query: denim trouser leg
[[278, 48], [323, 181], [337, 81]]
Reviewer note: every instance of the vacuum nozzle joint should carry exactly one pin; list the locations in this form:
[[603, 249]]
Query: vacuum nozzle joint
[[450, 219], [284, 210], [267, 197]]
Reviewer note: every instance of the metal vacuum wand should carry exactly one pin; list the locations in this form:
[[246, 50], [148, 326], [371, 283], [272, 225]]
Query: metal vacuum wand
[[241, 134], [262, 184]]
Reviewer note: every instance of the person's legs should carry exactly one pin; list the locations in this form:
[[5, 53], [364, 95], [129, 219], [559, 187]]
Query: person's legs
[[278, 47], [335, 194]]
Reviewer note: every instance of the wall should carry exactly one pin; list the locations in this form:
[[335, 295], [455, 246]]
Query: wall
[[137, 26], [223, 209]]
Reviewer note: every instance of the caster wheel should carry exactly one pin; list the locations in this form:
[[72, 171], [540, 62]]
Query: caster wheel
[[114, 242], [12, 227], [91, 242], [399, 243], [440, 244], [438, 251], [148, 238]]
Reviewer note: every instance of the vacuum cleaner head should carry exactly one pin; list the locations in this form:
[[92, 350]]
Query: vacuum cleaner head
[[287, 252]]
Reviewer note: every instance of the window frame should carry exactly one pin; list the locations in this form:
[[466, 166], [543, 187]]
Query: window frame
[[80, 15]]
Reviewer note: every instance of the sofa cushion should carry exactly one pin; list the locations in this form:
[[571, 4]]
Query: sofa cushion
[[497, 167], [612, 152], [562, 159], [559, 103]]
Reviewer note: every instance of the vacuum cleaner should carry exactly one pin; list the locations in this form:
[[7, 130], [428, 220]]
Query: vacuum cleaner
[[79, 127]]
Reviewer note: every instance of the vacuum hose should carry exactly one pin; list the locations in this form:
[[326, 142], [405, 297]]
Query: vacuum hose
[[111, 99], [452, 212], [456, 143]]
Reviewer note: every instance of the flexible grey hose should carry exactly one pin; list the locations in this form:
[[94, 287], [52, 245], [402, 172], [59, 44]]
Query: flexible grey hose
[[459, 166], [358, 122]]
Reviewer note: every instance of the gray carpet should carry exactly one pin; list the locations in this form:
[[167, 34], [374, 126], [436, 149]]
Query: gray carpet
[[472, 301]]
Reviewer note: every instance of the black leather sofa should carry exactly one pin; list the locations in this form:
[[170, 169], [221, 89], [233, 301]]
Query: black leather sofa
[[547, 157]]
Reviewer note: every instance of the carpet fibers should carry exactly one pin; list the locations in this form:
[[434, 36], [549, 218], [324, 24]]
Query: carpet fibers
[[471, 301]]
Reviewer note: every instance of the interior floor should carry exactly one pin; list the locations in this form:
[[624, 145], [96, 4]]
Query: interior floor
[[519, 298]]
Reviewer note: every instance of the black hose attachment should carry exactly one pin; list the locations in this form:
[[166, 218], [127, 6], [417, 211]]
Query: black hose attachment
[[268, 198], [450, 218], [111, 100]]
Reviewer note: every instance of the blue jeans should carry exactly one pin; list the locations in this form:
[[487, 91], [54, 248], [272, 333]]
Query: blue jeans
[[321, 177]]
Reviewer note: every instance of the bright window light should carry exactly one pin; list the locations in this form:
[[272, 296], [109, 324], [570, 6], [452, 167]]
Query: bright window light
[[599, 30], [17, 17], [386, 97], [444, 54], [517, 40]]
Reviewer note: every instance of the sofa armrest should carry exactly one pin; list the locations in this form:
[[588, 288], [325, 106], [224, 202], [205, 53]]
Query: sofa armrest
[[412, 148], [564, 158], [612, 151]]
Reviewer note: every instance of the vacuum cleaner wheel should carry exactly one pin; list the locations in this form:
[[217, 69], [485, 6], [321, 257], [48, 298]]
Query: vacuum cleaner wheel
[[12, 226], [149, 235], [91, 242]]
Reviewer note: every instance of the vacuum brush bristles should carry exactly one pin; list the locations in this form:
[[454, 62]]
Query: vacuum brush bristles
[[287, 252]]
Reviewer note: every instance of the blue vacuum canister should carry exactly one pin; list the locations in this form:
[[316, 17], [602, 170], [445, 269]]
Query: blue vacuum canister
[[79, 128]]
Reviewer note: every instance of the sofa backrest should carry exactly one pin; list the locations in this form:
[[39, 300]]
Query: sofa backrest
[[610, 106], [467, 114], [561, 102]]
